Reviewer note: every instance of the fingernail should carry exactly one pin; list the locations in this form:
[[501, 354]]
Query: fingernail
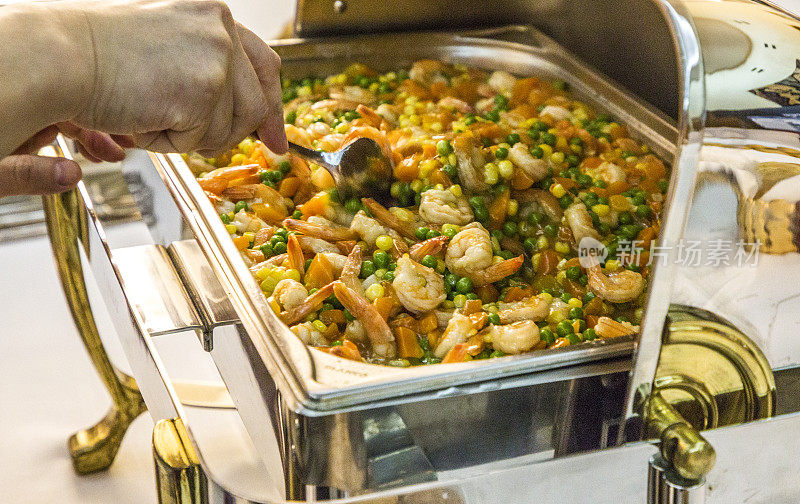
[[68, 173]]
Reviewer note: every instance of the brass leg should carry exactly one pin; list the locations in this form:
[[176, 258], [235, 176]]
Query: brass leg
[[92, 449], [179, 477]]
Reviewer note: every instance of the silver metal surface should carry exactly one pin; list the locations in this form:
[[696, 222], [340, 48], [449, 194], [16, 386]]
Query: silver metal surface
[[313, 382]]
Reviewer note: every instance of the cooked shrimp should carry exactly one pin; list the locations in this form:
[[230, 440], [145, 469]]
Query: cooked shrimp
[[370, 116], [331, 142], [316, 245], [339, 104], [431, 246], [318, 130], [328, 233], [428, 72], [355, 331], [443, 207], [309, 334], [388, 113], [217, 180], [352, 270], [353, 94], [372, 133], [608, 173], [388, 219], [338, 261], [534, 168], [610, 328], [375, 326], [297, 135], [309, 304], [470, 254], [347, 350], [459, 329], [556, 112], [263, 235], [289, 293], [541, 201], [513, 338], [451, 102], [294, 254], [470, 162], [531, 308], [367, 228], [580, 222], [619, 287], [501, 81], [419, 288]]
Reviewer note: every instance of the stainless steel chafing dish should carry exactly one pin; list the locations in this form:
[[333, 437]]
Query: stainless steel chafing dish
[[340, 426]]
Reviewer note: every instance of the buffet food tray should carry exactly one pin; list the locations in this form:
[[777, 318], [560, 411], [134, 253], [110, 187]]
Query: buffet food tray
[[312, 382]]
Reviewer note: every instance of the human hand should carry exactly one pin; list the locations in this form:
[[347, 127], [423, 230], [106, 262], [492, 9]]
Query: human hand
[[25, 173], [180, 75]]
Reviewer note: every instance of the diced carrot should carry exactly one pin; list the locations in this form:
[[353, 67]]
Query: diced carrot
[[479, 319], [438, 88], [619, 203], [517, 294], [475, 344], [548, 261], [591, 320], [487, 293], [250, 179], [472, 306], [593, 307], [316, 205], [433, 337], [385, 306], [271, 214], [427, 323], [289, 186], [407, 343], [457, 354], [213, 185], [414, 89], [591, 163], [332, 332], [439, 177], [329, 317], [537, 96], [241, 242], [560, 342], [521, 180], [565, 182], [262, 163], [498, 210], [466, 90], [524, 110], [347, 350], [618, 187], [521, 90], [408, 169], [322, 179], [617, 131], [646, 236], [491, 130], [320, 272]]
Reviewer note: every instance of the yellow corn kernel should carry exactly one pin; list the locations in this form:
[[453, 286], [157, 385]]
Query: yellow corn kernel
[[557, 157], [542, 243], [402, 214], [506, 169], [447, 304], [561, 277], [373, 88], [601, 210], [374, 291], [490, 174], [428, 166], [456, 190], [546, 297], [292, 274], [561, 248], [612, 265], [319, 326], [230, 228], [263, 273], [535, 259], [342, 127], [575, 303], [250, 236], [528, 123], [238, 159], [439, 187], [619, 203], [436, 127], [546, 150], [513, 207], [558, 190], [275, 306], [576, 149], [384, 242], [246, 146], [268, 284], [417, 185], [452, 159], [561, 143]]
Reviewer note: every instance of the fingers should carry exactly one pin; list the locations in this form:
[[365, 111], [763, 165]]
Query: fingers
[[37, 141], [25, 174], [98, 145], [266, 64]]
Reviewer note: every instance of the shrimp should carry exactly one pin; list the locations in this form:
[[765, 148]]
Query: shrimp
[[531, 308], [375, 326], [459, 329], [619, 287], [289, 293], [294, 254], [431, 246], [501, 81], [470, 162], [608, 173], [513, 338], [313, 245], [347, 350], [542, 201], [534, 168], [580, 223], [444, 207], [218, 180], [419, 288], [309, 304], [371, 133], [370, 116], [428, 71], [352, 94], [318, 130], [297, 135], [331, 142], [367, 228], [388, 113], [451, 102], [470, 254], [338, 261], [610, 328], [328, 233], [351, 271], [339, 104], [556, 112], [309, 334], [388, 219]]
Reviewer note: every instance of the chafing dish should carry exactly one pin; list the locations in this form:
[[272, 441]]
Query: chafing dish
[[361, 429]]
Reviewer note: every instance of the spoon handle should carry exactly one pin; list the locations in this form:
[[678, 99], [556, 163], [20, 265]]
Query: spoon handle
[[311, 155]]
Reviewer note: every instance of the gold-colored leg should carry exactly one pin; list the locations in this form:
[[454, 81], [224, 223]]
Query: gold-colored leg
[[179, 477], [92, 449]]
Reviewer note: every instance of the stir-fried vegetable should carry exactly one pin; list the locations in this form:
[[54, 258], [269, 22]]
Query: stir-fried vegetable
[[497, 179]]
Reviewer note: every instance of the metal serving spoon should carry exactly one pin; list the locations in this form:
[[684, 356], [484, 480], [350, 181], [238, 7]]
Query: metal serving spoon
[[360, 168]]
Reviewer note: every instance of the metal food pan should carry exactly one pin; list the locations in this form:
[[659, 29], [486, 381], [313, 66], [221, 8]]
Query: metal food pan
[[313, 382]]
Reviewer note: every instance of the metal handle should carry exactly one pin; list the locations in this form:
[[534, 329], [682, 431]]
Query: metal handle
[[666, 487]]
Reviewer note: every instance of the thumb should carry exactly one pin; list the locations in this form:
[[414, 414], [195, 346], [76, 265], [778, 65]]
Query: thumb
[[37, 175]]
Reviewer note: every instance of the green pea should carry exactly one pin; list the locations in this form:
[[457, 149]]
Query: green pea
[[509, 228], [643, 211], [512, 138], [470, 119], [575, 141], [266, 249], [348, 316], [388, 276], [464, 285], [497, 234], [367, 268], [225, 218], [450, 280], [584, 280], [351, 115], [560, 85], [353, 205], [501, 153], [576, 313], [421, 233], [564, 329], [494, 319], [392, 266], [279, 248], [625, 218], [585, 180], [444, 148], [565, 201], [537, 152], [573, 338], [451, 171], [639, 199], [589, 334], [472, 296], [284, 167], [492, 115], [549, 139], [308, 265], [501, 102], [600, 183], [551, 230], [297, 214], [536, 218], [429, 261], [566, 297], [602, 200], [449, 232], [380, 259], [291, 117], [574, 273], [496, 353], [241, 205], [663, 185], [530, 245], [547, 336]]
